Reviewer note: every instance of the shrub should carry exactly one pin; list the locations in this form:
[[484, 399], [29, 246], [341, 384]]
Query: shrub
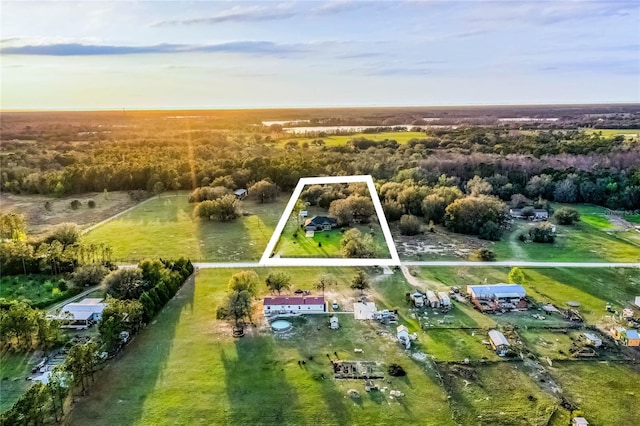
[[484, 255], [567, 216], [490, 231], [409, 225], [75, 204], [62, 285], [396, 370], [91, 204], [542, 233]]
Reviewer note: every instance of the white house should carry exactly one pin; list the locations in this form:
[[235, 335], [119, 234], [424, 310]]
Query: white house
[[82, 314], [536, 214], [286, 305]]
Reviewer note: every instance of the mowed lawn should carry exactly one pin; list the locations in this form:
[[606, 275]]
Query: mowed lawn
[[165, 227], [186, 369], [14, 367], [593, 239], [400, 137], [325, 243]]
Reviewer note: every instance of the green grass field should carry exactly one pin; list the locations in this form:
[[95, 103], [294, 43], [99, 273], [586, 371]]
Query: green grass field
[[185, 368], [400, 137], [590, 240], [497, 394], [606, 393], [14, 367], [593, 288], [630, 134], [325, 243], [165, 227]]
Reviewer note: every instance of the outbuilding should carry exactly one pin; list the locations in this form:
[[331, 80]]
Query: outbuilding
[[592, 339], [334, 323], [434, 302], [498, 342], [241, 193], [403, 336], [498, 297], [579, 421], [445, 302], [630, 338]]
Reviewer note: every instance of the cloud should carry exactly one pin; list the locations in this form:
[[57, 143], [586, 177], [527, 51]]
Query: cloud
[[553, 12], [78, 49], [237, 14], [611, 66]]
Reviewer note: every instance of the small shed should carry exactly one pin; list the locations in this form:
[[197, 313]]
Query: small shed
[[637, 303], [498, 342], [445, 302], [241, 193], [403, 336], [627, 313], [594, 340], [434, 302], [579, 421], [333, 323], [630, 338]]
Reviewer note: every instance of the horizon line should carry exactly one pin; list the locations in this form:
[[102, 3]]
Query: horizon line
[[301, 107]]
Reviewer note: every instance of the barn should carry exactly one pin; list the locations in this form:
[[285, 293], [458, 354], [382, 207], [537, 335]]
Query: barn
[[498, 297]]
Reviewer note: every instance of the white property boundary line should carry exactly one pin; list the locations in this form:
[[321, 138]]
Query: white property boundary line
[[267, 260]]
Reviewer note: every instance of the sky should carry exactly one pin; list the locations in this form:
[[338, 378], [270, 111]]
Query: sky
[[237, 54]]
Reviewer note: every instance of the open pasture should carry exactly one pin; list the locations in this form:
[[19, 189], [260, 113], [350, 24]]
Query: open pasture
[[185, 368], [165, 227], [340, 140]]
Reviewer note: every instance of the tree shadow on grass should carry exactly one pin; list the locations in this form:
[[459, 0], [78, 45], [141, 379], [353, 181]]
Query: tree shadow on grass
[[122, 387], [257, 388]]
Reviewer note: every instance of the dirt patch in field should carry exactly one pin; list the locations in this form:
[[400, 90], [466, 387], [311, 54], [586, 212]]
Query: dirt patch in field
[[40, 219], [438, 245]]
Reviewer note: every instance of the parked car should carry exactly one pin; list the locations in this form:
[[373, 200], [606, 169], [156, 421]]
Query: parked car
[[335, 305]]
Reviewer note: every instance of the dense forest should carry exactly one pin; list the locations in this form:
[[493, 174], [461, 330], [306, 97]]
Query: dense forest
[[75, 153]]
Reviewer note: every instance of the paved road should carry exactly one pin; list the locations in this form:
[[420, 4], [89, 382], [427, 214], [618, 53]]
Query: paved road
[[53, 309], [506, 263]]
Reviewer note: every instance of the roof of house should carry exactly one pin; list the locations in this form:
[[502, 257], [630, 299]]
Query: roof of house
[[580, 421], [294, 300], [240, 191], [633, 334], [498, 338], [320, 220], [83, 311], [498, 290]]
